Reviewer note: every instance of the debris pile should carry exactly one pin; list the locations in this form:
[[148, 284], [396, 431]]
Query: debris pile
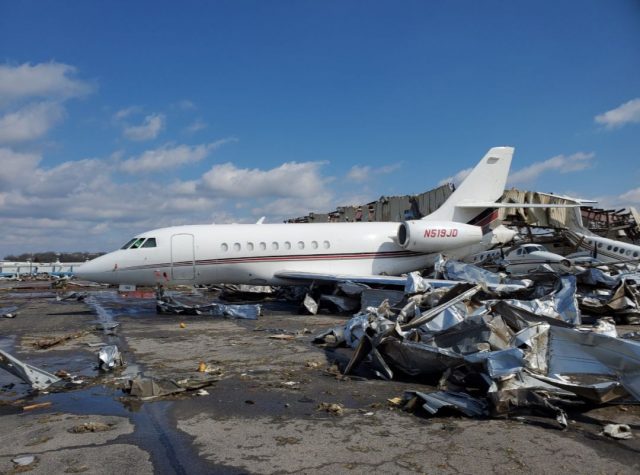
[[168, 305], [496, 345]]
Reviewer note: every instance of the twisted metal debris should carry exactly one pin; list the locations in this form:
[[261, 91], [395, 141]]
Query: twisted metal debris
[[516, 345]]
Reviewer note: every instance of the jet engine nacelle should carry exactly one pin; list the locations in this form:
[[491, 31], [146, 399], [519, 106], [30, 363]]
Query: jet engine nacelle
[[437, 236]]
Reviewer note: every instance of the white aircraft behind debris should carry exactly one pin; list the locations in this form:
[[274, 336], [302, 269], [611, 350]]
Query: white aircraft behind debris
[[604, 249], [275, 254]]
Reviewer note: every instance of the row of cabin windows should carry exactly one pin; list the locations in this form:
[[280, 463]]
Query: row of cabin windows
[[619, 250], [274, 246], [137, 243]]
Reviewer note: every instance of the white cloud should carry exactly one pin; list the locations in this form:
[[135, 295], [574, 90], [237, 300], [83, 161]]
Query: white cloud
[[69, 177], [30, 122], [359, 173], [126, 112], [195, 126], [362, 173], [85, 205], [290, 179], [627, 113], [16, 167], [186, 105], [631, 196], [50, 80], [281, 209], [559, 164], [148, 130], [167, 157], [457, 178]]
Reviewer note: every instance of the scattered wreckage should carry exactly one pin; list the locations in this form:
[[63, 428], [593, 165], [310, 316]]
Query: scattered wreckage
[[518, 345]]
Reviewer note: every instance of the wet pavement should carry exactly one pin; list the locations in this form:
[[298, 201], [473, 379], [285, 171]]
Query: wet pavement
[[263, 414]]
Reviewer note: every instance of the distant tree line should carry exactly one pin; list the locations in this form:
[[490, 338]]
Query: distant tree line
[[51, 256]]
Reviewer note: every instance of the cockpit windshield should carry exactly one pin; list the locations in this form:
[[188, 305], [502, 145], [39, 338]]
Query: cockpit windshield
[[136, 243], [126, 246], [533, 248]]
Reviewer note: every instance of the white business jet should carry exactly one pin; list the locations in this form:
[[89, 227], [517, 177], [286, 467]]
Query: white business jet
[[275, 254], [604, 249]]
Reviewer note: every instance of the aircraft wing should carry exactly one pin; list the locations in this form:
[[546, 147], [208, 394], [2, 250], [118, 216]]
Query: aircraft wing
[[489, 204], [384, 280], [363, 279]]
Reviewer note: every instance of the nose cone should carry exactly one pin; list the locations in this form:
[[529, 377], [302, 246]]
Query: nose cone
[[101, 269]]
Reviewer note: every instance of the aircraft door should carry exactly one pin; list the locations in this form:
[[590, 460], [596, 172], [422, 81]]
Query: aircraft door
[[183, 266]]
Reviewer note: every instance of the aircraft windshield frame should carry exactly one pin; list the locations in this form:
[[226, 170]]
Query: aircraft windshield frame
[[128, 244], [140, 242]]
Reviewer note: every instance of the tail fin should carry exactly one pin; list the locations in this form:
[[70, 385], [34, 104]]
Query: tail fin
[[485, 184]]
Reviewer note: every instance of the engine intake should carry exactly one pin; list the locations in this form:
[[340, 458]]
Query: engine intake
[[437, 236]]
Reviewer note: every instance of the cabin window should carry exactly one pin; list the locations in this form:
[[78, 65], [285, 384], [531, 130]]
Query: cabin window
[[126, 246], [609, 247], [628, 253], [287, 245], [326, 244], [138, 243], [151, 242], [236, 246], [600, 245], [250, 246], [519, 252], [621, 251], [314, 244], [635, 254], [615, 249], [300, 245], [274, 246], [224, 246], [263, 246]]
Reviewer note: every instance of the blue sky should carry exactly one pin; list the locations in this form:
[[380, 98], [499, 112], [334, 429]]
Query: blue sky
[[119, 117]]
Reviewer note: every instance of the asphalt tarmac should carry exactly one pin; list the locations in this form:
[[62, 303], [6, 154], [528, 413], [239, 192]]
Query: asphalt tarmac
[[280, 404]]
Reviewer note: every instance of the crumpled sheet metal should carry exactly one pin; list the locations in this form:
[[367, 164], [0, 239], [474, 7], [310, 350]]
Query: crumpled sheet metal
[[341, 302], [358, 325], [109, 357], [575, 352], [416, 284], [310, 304], [461, 271], [415, 358], [523, 354], [375, 297], [36, 377], [168, 305], [561, 304], [499, 364], [461, 402], [622, 301], [432, 313], [474, 334]]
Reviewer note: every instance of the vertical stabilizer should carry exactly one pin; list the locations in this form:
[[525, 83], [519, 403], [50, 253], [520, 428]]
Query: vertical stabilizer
[[484, 184]]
